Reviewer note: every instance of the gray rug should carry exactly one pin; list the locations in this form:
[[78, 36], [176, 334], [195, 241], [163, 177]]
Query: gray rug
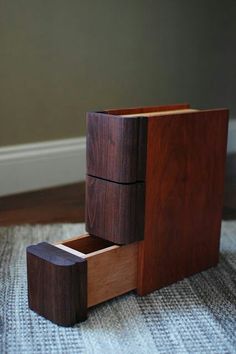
[[196, 315]]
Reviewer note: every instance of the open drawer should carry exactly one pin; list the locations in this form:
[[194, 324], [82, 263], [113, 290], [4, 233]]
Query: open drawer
[[111, 269], [66, 278]]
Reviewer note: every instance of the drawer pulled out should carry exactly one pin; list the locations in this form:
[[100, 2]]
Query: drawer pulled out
[[67, 278]]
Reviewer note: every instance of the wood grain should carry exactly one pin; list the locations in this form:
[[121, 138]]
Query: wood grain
[[57, 284], [112, 271], [116, 147], [184, 194], [69, 205], [114, 211]]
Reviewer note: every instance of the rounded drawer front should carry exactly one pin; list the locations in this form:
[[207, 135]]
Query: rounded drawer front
[[116, 147], [114, 211]]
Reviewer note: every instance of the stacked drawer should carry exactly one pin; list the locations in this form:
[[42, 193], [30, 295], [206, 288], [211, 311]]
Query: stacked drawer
[[115, 184]]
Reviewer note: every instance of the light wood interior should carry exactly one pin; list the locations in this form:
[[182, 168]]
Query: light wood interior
[[87, 243], [162, 113], [112, 269]]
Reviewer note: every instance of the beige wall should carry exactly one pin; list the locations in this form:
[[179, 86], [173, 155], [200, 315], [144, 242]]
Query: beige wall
[[59, 59]]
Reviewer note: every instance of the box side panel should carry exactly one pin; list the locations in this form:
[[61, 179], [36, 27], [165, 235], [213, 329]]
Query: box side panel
[[184, 193]]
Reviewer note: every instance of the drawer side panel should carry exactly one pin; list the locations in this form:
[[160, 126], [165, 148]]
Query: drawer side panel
[[112, 273]]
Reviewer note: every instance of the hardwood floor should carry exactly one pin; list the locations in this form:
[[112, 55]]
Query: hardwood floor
[[67, 204], [52, 205]]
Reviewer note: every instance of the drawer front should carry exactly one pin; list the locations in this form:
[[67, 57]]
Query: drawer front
[[114, 211], [116, 147], [67, 278], [57, 284]]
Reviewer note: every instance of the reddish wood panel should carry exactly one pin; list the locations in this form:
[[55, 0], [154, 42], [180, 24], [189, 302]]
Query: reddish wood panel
[[116, 147], [57, 284], [184, 194], [150, 109], [115, 211]]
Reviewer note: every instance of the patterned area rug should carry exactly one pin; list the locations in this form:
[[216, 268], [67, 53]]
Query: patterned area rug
[[196, 315]]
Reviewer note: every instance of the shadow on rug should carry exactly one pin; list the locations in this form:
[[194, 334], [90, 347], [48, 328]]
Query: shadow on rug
[[196, 315]]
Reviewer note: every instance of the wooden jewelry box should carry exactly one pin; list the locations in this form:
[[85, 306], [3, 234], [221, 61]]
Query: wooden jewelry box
[[154, 193]]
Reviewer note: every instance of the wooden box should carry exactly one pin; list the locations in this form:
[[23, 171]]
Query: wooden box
[[154, 192]]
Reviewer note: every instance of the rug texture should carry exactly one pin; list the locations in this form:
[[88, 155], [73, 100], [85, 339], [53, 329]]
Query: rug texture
[[196, 315]]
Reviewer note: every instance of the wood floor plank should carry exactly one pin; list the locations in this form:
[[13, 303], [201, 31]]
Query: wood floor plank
[[67, 204], [52, 205]]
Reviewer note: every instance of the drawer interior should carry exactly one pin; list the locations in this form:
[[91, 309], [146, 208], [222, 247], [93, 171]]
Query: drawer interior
[[112, 269], [87, 244]]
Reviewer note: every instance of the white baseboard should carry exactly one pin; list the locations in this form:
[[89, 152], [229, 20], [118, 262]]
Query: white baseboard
[[232, 137], [40, 165], [52, 163]]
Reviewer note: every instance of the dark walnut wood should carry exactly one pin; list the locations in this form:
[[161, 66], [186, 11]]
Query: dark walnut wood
[[115, 211], [184, 194], [116, 147], [57, 284]]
